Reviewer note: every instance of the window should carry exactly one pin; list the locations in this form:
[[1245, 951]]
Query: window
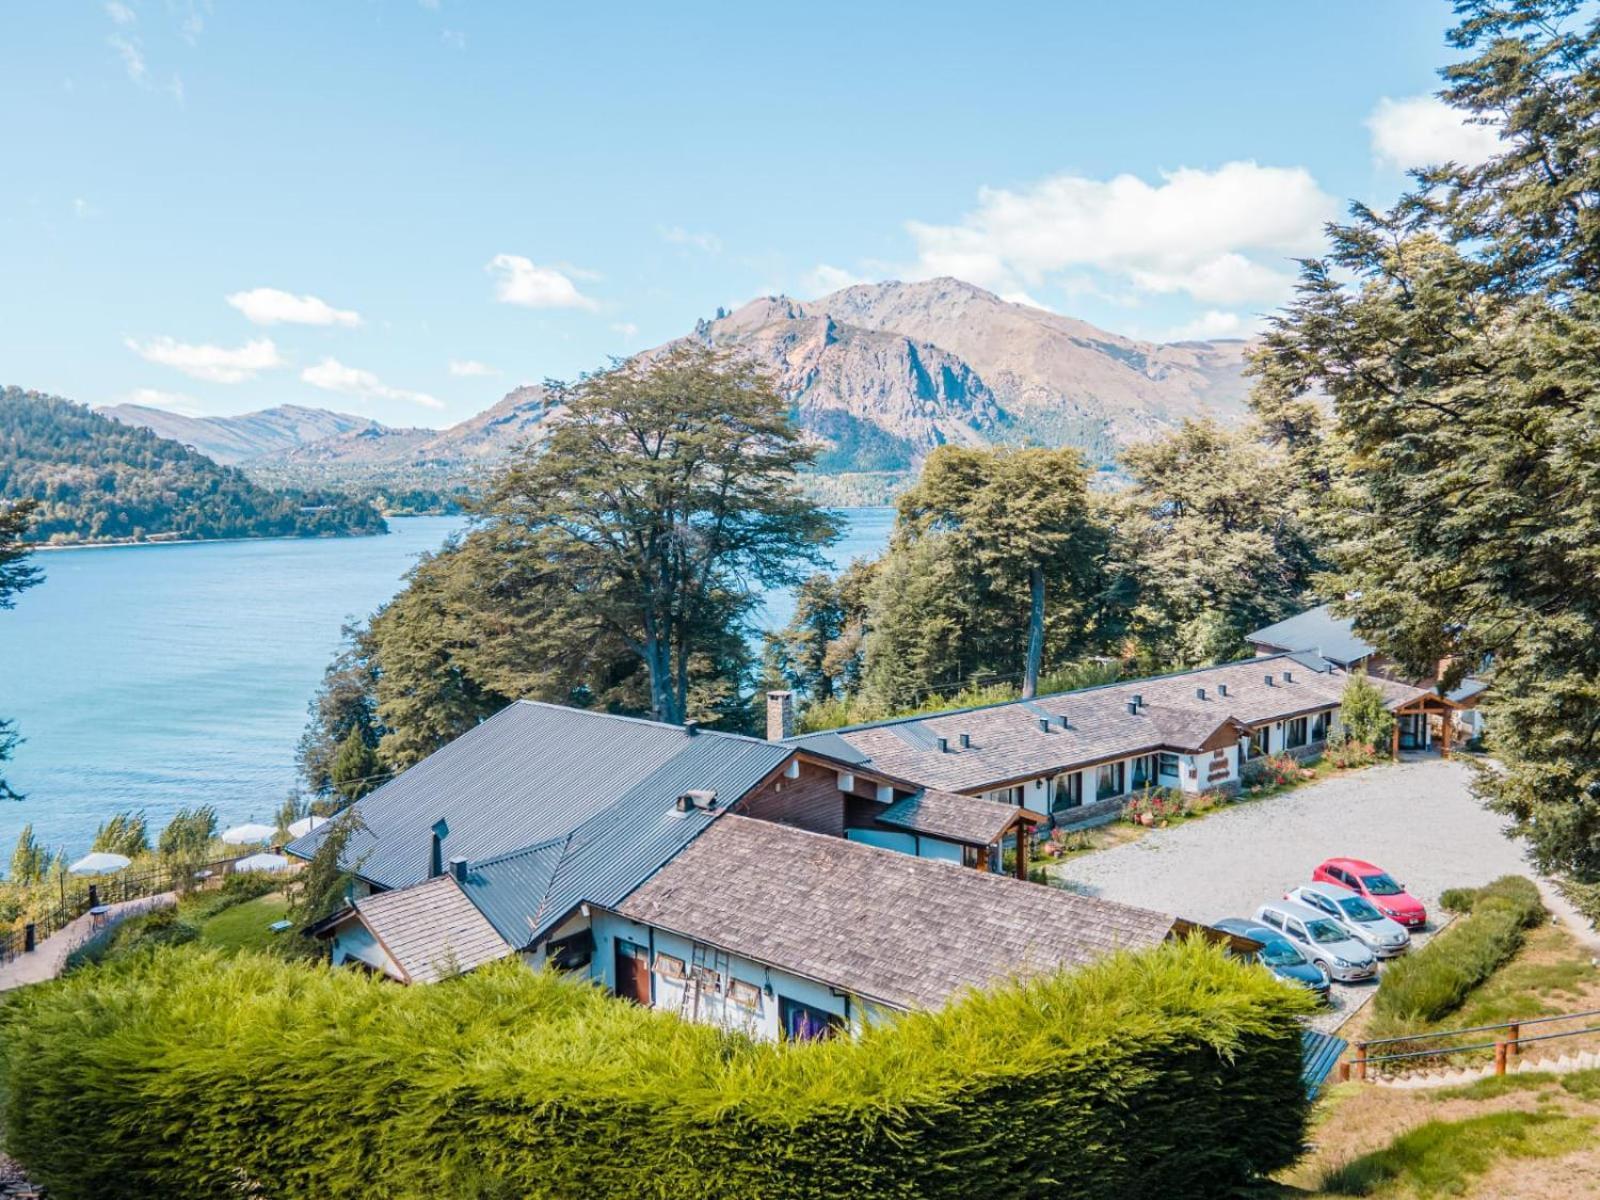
[[669, 967], [1011, 796], [745, 995], [1108, 780], [969, 856], [1258, 742], [1068, 792], [1294, 733], [1294, 930], [1272, 918], [1144, 770], [1167, 766], [1319, 727], [801, 1022]]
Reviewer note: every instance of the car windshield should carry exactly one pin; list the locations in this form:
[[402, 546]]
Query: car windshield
[[1281, 954], [1358, 909], [1323, 932], [1380, 885]]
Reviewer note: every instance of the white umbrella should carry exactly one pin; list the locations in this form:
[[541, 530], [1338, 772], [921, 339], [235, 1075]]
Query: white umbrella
[[262, 862], [246, 835], [99, 863], [305, 825]]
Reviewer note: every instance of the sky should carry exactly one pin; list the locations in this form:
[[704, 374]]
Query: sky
[[404, 208]]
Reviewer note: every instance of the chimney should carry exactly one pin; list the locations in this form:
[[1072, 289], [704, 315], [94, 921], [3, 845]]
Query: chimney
[[1269, 682], [700, 799], [458, 869], [691, 727], [966, 741], [780, 716], [1222, 689], [436, 850], [1199, 693], [944, 745]]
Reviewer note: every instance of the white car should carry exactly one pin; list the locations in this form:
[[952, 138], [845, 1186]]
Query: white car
[[1383, 937], [1325, 940]]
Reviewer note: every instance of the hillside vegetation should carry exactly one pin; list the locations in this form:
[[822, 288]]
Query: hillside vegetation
[[97, 480]]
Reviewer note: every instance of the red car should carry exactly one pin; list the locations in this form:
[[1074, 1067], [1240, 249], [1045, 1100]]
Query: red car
[[1377, 885]]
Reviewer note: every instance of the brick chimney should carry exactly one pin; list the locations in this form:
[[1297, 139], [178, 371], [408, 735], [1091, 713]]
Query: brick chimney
[[780, 716]]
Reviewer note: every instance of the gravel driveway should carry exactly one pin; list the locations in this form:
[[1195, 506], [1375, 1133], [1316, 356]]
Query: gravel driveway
[[1416, 819]]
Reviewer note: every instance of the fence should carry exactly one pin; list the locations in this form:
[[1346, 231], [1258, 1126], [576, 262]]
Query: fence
[[1504, 1048], [109, 889]]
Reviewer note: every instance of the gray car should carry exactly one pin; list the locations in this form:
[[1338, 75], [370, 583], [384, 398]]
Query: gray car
[[1383, 937], [1325, 940]]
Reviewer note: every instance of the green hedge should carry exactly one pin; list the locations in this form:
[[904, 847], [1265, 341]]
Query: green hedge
[[186, 1073], [1434, 981]]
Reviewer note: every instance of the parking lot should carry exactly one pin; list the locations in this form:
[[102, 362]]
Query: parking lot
[[1415, 819]]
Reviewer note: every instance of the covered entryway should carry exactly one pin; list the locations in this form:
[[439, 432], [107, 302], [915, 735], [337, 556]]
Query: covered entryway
[[633, 972], [1427, 722]]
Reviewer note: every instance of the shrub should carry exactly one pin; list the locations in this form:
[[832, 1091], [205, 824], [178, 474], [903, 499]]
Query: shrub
[[1347, 753], [1171, 1072], [1161, 804], [1457, 900], [1434, 981]]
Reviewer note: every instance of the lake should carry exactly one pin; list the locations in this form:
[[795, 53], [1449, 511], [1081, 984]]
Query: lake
[[154, 677]]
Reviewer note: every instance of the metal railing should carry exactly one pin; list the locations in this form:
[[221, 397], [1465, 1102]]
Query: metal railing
[[1504, 1048]]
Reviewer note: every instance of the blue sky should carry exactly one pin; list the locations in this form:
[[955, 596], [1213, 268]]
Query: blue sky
[[402, 209]]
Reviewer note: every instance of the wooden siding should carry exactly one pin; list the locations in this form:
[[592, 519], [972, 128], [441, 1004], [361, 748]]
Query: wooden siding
[[812, 802]]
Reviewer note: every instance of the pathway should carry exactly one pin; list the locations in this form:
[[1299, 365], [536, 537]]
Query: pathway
[[49, 958]]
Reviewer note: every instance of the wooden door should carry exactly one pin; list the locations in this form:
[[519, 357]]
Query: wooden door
[[633, 972]]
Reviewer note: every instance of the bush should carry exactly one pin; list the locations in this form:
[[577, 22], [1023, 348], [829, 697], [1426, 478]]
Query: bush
[[1171, 1072], [1434, 981], [1458, 900]]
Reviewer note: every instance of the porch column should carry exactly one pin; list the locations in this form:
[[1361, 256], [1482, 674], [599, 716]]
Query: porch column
[[1444, 743], [1394, 750], [1024, 837], [983, 858]]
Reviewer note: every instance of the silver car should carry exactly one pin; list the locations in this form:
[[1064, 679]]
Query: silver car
[[1383, 937], [1325, 940]]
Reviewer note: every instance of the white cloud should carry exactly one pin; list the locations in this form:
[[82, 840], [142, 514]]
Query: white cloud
[[121, 13], [1424, 131], [1023, 298], [520, 281], [1213, 323], [469, 368], [1220, 237], [824, 277], [270, 306], [132, 55], [676, 235], [218, 364], [176, 402], [331, 375]]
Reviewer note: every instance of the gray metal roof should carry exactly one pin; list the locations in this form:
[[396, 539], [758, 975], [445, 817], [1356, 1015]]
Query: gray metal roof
[[526, 893], [531, 774], [1318, 631]]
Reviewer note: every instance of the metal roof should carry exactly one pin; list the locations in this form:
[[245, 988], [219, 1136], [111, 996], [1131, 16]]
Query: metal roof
[[531, 774], [1318, 631]]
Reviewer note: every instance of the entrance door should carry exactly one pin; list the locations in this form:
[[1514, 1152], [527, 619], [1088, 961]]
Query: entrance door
[[633, 972]]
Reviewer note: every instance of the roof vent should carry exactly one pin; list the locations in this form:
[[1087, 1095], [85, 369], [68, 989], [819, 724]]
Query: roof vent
[[458, 869], [1222, 689], [697, 799], [944, 745], [966, 741], [1199, 693], [1065, 724], [1133, 707], [1269, 682], [1136, 702], [1288, 676], [1044, 724], [691, 727]]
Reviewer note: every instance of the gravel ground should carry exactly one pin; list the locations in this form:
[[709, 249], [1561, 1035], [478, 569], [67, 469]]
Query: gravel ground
[[1415, 819]]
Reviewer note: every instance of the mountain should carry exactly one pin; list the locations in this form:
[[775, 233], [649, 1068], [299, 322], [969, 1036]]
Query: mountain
[[880, 374], [99, 480], [232, 440]]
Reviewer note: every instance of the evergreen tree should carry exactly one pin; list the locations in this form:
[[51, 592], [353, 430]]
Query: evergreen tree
[[124, 833], [820, 652], [356, 766], [1458, 336], [188, 834], [325, 882], [1363, 715], [30, 860], [16, 575]]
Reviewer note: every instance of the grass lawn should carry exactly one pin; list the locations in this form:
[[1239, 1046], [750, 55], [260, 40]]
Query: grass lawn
[[244, 926]]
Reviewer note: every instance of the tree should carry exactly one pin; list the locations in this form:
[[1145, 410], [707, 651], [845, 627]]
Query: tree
[[325, 882], [188, 834], [346, 699], [16, 575], [356, 766], [124, 833], [819, 653], [29, 861], [995, 552], [1458, 336], [1363, 715], [1212, 535], [663, 499]]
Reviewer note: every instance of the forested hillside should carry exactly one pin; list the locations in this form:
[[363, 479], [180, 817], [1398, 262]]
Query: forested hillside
[[97, 480]]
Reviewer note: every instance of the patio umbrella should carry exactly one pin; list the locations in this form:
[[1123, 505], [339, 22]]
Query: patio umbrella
[[245, 835], [262, 862], [99, 863], [305, 825]]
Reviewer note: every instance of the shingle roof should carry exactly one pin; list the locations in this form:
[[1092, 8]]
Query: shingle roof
[[1316, 630], [431, 929], [950, 815], [905, 931], [531, 774], [1007, 744]]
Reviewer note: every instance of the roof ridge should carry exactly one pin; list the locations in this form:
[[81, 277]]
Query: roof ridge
[[700, 731]]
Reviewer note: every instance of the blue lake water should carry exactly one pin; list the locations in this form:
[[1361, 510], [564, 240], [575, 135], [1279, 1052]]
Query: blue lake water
[[154, 677]]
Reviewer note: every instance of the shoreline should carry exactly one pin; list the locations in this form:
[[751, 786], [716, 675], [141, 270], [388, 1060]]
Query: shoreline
[[46, 547]]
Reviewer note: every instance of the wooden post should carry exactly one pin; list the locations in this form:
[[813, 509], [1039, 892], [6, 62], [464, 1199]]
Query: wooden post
[[1361, 1061], [1499, 1058], [1513, 1036], [983, 858], [1344, 1072], [1394, 749], [1444, 744], [1024, 836]]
